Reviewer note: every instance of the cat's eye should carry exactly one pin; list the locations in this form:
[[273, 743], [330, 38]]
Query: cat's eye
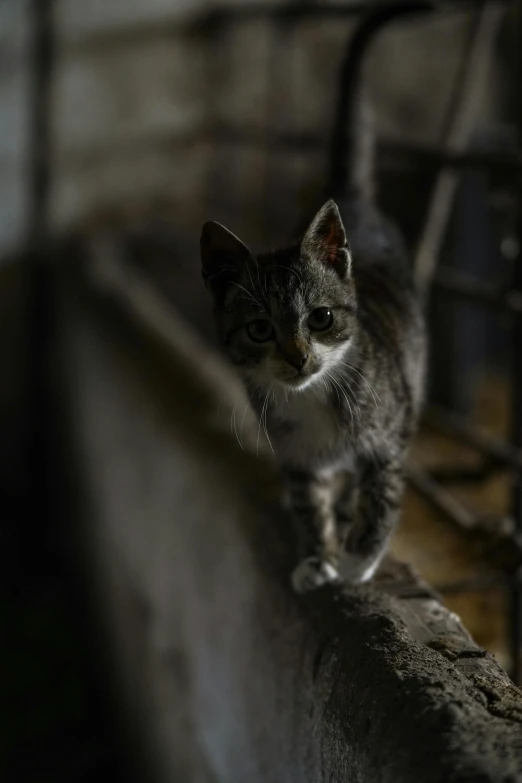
[[320, 319], [260, 330]]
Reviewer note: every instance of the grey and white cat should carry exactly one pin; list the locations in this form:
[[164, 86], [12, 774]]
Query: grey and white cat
[[329, 339]]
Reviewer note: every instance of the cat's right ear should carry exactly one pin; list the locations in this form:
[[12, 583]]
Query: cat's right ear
[[222, 254], [325, 239]]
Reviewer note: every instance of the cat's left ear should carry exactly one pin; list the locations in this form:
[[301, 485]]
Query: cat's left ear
[[325, 239], [222, 253]]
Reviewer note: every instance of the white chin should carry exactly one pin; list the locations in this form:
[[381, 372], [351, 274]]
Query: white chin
[[300, 383]]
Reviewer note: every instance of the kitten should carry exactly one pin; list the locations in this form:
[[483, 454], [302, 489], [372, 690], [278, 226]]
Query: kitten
[[330, 344], [329, 339]]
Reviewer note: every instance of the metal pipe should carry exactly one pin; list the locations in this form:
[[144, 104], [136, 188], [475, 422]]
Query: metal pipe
[[516, 389], [441, 499], [454, 425], [465, 474], [504, 165], [342, 150], [392, 154], [467, 107], [37, 310], [473, 584], [470, 288], [227, 16]]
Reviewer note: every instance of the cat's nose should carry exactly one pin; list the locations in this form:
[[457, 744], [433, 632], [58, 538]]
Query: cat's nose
[[298, 361]]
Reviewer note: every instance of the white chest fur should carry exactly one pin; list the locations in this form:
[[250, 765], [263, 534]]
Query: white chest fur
[[314, 435]]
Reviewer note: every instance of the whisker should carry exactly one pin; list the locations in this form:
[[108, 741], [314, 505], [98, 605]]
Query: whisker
[[259, 428], [289, 269], [265, 410], [353, 398], [258, 275], [338, 386], [233, 423], [337, 392], [250, 296], [250, 275], [366, 381], [242, 422], [263, 288], [348, 381], [323, 381]]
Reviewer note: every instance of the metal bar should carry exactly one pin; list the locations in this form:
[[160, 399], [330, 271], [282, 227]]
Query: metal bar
[[391, 153], [505, 165], [109, 38], [341, 151], [207, 22], [473, 584], [516, 347], [456, 426], [276, 105], [223, 171], [465, 474], [473, 78], [498, 529], [39, 130], [37, 312], [441, 499], [333, 10], [471, 289]]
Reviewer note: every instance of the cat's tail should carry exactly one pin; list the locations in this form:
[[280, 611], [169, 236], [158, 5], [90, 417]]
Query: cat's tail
[[352, 150]]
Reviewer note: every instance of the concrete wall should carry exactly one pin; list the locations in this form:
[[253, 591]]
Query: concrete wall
[[225, 675]]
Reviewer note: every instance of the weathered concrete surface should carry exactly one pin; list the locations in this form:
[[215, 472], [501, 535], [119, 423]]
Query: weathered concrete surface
[[225, 673]]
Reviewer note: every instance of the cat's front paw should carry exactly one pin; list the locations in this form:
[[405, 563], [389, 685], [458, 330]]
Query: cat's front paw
[[311, 573], [357, 570]]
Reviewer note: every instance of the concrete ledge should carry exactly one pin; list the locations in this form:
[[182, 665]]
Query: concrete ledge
[[225, 674]]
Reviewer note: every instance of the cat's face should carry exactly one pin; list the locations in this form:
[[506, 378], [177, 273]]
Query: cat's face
[[286, 318]]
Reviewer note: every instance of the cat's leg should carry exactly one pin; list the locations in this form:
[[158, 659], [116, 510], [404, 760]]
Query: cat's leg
[[345, 505], [311, 505], [380, 492]]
